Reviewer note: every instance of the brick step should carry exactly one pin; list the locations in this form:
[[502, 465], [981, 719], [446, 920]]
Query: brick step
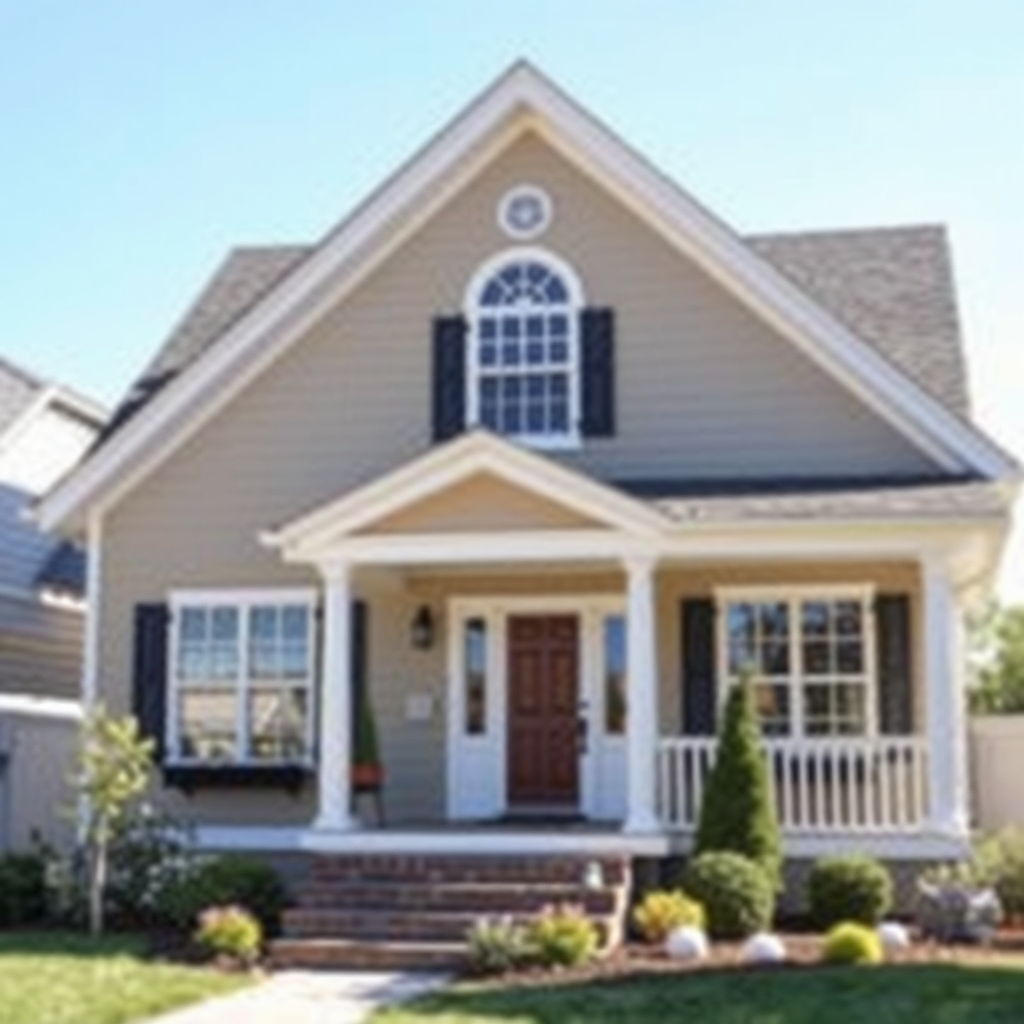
[[437, 869], [477, 898], [360, 954], [396, 925]]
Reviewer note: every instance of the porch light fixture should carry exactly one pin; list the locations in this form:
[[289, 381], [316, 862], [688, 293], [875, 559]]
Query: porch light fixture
[[422, 629]]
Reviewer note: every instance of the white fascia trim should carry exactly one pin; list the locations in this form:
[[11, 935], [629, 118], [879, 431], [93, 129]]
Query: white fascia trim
[[35, 408], [940, 434], [447, 466]]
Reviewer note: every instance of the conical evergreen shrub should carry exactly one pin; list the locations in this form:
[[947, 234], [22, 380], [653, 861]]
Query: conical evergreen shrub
[[736, 813]]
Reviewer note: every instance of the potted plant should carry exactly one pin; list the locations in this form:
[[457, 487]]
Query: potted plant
[[367, 771]]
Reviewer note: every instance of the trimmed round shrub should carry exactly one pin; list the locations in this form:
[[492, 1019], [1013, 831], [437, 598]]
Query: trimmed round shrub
[[737, 895], [230, 932], [228, 880], [562, 936], [852, 943], [849, 888], [663, 910]]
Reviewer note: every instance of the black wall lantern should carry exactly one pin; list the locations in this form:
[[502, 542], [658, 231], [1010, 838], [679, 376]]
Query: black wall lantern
[[422, 630]]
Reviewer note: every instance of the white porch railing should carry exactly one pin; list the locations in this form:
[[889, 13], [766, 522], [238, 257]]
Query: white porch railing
[[820, 785]]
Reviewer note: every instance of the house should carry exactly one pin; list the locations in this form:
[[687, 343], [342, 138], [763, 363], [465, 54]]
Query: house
[[536, 455], [44, 430]]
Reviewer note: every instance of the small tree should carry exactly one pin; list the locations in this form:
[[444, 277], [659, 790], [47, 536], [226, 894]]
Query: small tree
[[997, 661], [736, 813], [112, 769]]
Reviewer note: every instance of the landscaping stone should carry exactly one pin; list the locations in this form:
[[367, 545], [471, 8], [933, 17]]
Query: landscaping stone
[[763, 948], [687, 943], [894, 936]]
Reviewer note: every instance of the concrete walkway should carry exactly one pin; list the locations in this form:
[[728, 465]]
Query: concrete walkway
[[307, 997]]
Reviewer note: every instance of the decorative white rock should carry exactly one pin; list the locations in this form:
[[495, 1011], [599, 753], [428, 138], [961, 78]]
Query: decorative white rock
[[687, 943], [894, 936], [764, 948]]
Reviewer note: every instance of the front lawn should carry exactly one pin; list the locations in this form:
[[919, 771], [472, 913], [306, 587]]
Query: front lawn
[[63, 978], [989, 993]]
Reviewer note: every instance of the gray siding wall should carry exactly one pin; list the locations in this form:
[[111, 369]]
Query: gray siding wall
[[40, 649]]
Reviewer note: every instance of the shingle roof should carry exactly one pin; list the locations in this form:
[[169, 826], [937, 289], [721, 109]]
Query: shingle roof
[[892, 286], [18, 388], [894, 501]]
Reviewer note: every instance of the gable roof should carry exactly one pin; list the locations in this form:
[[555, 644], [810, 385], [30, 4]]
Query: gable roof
[[521, 101], [472, 454], [893, 286]]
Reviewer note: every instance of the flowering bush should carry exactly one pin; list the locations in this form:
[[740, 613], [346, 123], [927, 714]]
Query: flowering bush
[[230, 932], [497, 946], [562, 935], [663, 910]]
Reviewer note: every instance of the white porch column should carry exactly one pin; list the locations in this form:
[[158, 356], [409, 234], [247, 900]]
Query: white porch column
[[335, 744], [945, 708], [642, 713]]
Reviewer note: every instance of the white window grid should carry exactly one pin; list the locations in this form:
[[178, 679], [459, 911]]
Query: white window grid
[[535, 332], [240, 683], [797, 680]]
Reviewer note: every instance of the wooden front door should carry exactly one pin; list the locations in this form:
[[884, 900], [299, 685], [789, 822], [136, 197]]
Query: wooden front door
[[543, 697]]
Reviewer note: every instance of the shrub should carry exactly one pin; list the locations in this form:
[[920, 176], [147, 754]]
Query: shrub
[[849, 888], [663, 910], [999, 861], [231, 932], [497, 946], [228, 880], [852, 943], [736, 894], [736, 813], [561, 936], [22, 889]]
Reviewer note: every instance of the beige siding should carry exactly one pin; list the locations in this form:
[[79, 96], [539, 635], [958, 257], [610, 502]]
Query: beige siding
[[478, 504], [413, 751], [705, 389]]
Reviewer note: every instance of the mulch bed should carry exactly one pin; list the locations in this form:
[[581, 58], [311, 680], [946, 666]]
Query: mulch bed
[[803, 953]]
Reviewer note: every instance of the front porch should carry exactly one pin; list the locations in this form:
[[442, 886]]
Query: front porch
[[581, 646]]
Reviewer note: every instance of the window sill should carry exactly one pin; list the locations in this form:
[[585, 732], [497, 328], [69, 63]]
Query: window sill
[[541, 442], [192, 777]]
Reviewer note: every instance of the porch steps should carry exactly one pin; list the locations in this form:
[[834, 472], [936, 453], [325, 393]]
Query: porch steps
[[402, 912]]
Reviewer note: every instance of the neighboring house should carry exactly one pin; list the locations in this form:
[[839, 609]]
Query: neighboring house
[[576, 454], [44, 430]]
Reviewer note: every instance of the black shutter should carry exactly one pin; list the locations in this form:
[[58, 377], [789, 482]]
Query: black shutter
[[359, 657], [449, 386], [699, 684], [597, 358], [895, 665], [149, 678]]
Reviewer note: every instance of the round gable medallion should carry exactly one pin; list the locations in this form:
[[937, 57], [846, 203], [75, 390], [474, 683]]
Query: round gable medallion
[[524, 212]]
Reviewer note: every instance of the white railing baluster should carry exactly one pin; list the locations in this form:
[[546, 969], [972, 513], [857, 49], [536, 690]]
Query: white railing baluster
[[830, 785]]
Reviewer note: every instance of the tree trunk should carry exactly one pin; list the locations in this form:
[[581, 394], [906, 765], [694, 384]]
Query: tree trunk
[[97, 885]]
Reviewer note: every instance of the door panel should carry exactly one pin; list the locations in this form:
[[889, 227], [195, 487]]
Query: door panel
[[543, 699]]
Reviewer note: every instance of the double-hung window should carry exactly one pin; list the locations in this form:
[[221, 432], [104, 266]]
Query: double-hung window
[[523, 352], [809, 655], [242, 677]]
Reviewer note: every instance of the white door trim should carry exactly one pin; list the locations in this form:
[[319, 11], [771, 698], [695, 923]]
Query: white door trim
[[477, 766]]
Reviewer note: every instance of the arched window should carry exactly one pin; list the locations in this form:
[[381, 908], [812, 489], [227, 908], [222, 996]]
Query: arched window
[[522, 355]]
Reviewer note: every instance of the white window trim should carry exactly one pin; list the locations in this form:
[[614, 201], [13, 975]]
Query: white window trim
[[242, 600], [793, 595], [572, 439], [514, 193]]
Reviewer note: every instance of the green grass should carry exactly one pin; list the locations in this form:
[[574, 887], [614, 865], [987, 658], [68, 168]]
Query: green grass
[[934, 994], [63, 978]]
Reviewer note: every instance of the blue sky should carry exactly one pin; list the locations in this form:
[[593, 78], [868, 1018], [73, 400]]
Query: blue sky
[[143, 139]]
